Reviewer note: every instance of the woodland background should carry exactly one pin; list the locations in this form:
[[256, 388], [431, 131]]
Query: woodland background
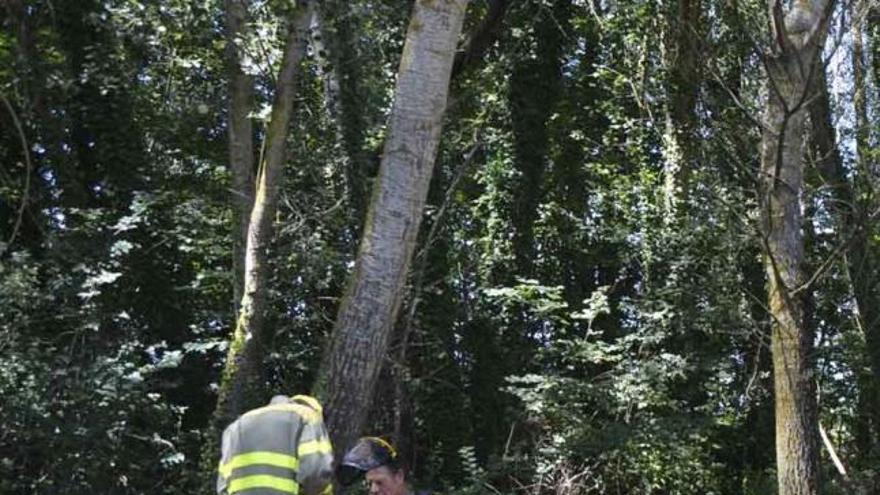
[[586, 305]]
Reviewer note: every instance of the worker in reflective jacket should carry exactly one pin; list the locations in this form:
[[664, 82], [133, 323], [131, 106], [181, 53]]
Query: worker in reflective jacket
[[282, 448]]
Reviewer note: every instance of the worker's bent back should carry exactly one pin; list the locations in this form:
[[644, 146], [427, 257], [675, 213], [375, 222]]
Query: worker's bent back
[[282, 448]]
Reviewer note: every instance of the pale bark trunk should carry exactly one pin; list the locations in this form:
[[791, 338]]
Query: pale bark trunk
[[244, 360], [355, 354], [790, 67], [479, 40], [683, 83], [241, 145]]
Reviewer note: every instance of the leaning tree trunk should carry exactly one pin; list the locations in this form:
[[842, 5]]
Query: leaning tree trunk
[[241, 144], [242, 373], [360, 338], [791, 66], [683, 84]]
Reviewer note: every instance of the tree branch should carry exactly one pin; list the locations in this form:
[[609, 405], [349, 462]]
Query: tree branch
[[777, 20], [837, 252], [481, 38], [821, 27], [27, 175]]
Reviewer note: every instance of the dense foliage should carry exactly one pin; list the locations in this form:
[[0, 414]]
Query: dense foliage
[[563, 331]]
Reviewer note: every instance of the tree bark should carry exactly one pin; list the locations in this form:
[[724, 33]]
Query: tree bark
[[241, 144], [354, 356], [683, 84], [241, 375], [791, 66]]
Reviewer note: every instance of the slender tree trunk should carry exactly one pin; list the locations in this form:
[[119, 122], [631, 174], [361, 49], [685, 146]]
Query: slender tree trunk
[[241, 144], [32, 113], [481, 38], [865, 265], [354, 356], [852, 204], [791, 339], [240, 381], [790, 68], [535, 87], [334, 43], [683, 84], [873, 28], [830, 167]]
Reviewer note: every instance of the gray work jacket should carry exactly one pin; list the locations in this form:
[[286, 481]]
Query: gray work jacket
[[282, 448]]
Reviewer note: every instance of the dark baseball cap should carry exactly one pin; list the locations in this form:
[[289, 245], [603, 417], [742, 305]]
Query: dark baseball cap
[[368, 453]]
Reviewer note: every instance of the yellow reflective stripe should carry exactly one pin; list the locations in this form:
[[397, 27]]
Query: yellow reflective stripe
[[259, 457], [328, 490], [314, 447], [309, 401], [263, 481]]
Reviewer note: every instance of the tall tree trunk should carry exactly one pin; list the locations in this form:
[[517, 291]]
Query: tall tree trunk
[[829, 164], [852, 204], [240, 381], [97, 140], [791, 65], [26, 114], [864, 257], [873, 28], [535, 86], [366, 316], [334, 43], [241, 143], [683, 84], [481, 38]]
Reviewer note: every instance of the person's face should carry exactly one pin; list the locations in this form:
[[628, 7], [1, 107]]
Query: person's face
[[383, 481]]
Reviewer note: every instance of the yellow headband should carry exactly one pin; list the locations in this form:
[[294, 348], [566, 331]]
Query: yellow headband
[[387, 445]]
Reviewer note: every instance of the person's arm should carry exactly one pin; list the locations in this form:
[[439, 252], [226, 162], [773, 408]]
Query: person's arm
[[222, 482], [315, 475]]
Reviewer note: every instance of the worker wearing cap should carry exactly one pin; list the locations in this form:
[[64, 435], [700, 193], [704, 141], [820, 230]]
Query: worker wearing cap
[[281, 448], [379, 462]]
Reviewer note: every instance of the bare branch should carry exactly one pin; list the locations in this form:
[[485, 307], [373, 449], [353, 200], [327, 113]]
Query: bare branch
[[418, 284], [777, 26], [839, 250]]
